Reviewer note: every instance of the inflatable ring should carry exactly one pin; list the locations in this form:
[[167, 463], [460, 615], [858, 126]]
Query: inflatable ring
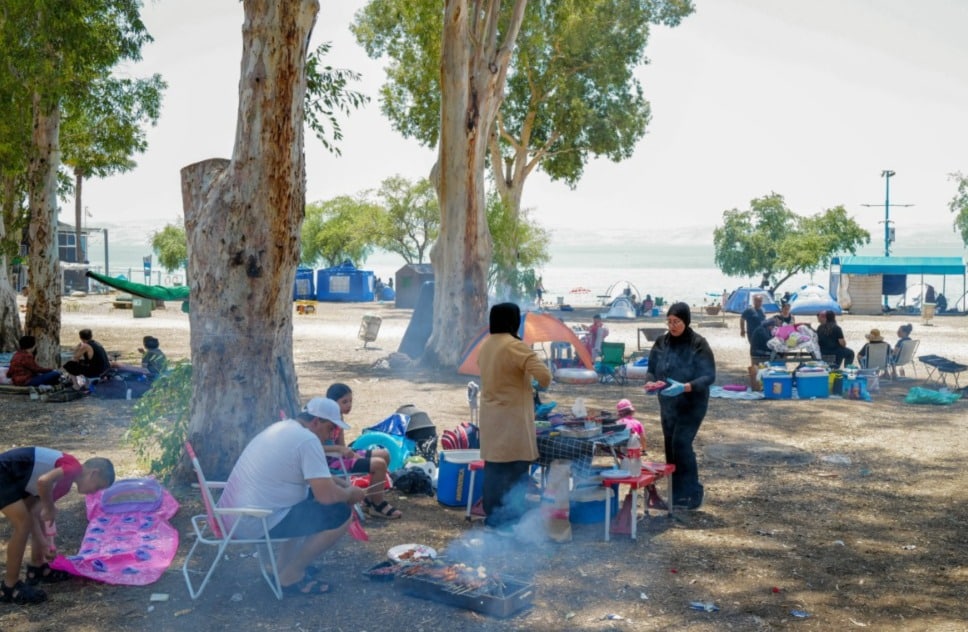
[[395, 446], [576, 376], [636, 372]]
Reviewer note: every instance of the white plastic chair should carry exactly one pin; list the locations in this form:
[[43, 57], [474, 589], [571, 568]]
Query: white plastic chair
[[906, 356], [210, 530]]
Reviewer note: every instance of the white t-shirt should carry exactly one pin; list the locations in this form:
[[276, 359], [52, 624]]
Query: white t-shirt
[[272, 473]]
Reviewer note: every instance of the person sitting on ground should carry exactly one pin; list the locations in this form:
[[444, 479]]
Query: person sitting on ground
[[283, 469], [874, 339], [830, 337], [595, 335], [24, 370], [647, 305], [90, 360], [31, 480], [626, 417], [153, 359], [374, 461], [752, 317]]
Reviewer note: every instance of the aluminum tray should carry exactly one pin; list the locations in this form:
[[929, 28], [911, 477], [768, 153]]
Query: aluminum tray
[[518, 595]]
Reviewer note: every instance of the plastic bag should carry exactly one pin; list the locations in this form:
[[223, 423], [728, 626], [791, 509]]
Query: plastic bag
[[579, 410], [919, 395]]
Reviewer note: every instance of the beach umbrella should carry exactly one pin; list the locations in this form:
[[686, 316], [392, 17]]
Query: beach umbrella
[[535, 327]]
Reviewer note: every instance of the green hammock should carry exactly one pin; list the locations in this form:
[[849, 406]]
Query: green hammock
[[154, 292]]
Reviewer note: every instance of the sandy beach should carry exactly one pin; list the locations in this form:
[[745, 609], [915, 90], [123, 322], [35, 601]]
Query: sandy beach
[[851, 512]]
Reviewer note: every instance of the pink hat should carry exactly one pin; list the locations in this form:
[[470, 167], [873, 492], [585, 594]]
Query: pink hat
[[624, 404]]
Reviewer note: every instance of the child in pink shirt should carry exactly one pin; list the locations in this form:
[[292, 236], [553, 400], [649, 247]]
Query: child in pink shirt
[[625, 414]]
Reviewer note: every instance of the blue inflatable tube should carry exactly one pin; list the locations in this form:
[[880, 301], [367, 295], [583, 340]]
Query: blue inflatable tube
[[398, 447]]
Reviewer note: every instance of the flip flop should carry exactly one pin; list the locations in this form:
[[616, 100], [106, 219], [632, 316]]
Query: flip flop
[[307, 586]]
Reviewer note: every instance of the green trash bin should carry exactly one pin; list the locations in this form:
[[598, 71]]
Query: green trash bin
[[141, 307]]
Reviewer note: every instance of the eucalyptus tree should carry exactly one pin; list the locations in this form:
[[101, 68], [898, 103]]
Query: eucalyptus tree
[[959, 205], [55, 52], [571, 92]]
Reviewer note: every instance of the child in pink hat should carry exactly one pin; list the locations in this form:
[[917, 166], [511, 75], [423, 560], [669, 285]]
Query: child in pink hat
[[625, 414]]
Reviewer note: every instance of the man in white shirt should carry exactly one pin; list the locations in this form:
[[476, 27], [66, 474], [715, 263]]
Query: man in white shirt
[[284, 469]]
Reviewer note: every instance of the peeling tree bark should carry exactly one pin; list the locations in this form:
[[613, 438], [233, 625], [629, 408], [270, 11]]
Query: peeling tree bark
[[243, 218], [474, 65], [44, 297], [10, 328]]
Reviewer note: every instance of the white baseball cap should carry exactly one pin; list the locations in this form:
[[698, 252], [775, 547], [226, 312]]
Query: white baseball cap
[[327, 410]]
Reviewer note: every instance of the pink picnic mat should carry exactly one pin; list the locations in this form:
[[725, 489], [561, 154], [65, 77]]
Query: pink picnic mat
[[131, 548]]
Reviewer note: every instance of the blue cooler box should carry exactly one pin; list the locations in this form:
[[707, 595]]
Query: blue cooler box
[[454, 478], [812, 384], [777, 385]]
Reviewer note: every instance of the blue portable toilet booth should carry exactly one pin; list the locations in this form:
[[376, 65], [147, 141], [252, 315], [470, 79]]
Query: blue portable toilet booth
[[344, 283], [304, 289]]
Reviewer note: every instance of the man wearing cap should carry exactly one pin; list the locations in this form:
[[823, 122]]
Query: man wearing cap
[[283, 468]]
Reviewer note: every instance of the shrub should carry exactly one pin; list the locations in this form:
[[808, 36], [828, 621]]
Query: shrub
[[160, 423]]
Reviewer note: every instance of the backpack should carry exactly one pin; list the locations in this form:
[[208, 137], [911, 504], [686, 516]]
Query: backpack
[[465, 436], [413, 480]]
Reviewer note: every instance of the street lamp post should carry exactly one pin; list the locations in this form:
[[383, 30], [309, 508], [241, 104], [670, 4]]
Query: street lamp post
[[886, 174]]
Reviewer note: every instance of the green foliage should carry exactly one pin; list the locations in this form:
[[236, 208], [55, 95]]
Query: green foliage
[[326, 95], [339, 229], [959, 205], [410, 218], [519, 246], [771, 240], [171, 246], [160, 425]]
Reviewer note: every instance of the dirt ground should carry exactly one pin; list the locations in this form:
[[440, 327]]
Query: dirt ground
[[850, 512]]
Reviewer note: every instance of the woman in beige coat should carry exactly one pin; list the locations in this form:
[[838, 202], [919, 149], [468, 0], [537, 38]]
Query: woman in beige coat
[[508, 442]]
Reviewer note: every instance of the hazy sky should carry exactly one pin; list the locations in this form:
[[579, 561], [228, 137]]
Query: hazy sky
[[811, 99]]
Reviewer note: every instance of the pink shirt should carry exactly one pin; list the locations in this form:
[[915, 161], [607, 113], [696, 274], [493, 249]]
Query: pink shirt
[[634, 426]]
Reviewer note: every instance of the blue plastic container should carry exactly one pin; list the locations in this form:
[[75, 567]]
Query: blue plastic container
[[454, 478], [587, 505], [813, 384], [777, 385]]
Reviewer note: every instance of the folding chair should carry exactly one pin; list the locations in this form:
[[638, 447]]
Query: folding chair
[[878, 357], [613, 361], [905, 357], [210, 529]]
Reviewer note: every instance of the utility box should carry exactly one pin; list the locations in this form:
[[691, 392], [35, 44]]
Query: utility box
[[142, 307]]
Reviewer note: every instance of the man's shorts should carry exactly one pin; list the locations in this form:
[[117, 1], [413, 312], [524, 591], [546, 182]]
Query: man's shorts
[[310, 517]]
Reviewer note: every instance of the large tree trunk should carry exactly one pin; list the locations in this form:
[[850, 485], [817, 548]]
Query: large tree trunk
[[44, 298], [243, 220], [473, 69], [10, 329]]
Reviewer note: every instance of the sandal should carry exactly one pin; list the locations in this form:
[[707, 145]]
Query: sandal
[[307, 586], [45, 574], [384, 510], [21, 594]]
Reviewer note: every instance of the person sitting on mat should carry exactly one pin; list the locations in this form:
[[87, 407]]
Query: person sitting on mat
[[24, 370], [374, 461], [90, 360], [283, 469], [31, 480]]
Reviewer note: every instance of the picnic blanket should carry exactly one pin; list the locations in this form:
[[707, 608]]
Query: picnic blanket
[[126, 543]]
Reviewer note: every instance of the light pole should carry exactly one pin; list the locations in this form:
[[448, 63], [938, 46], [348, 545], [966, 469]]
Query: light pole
[[886, 174]]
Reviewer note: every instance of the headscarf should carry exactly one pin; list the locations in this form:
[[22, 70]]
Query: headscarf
[[505, 319], [680, 311]]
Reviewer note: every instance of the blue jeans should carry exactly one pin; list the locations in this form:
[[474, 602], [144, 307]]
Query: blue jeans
[[51, 377]]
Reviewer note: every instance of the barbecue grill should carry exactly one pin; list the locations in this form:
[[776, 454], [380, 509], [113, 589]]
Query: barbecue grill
[[466, 587]]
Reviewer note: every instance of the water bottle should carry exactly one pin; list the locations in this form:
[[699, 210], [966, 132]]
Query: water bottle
[[127, 395], [634, 450]]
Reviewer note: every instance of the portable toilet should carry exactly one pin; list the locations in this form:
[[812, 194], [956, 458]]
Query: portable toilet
[[304, 289], [344, 283]]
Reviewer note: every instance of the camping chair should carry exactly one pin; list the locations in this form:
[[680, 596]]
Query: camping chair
[[905, 357], [613, 362], [878, 358], [210, 529]]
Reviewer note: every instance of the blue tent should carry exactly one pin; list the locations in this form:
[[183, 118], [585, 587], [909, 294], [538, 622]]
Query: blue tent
[[742, 297], [811, 299]]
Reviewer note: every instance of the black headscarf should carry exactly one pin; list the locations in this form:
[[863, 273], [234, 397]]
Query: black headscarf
[[505, 319], [680, 311]]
